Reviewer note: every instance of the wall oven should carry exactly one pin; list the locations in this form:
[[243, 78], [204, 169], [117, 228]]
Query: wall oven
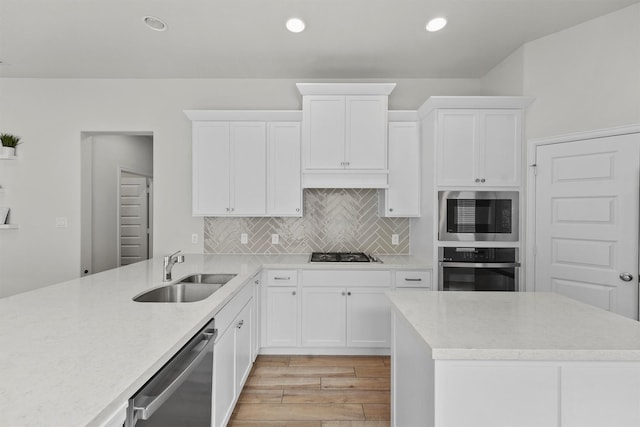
[[478, 269], [478, 216]]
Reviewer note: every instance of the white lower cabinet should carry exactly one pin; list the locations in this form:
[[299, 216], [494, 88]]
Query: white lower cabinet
[[323, 316], [339, 317], [279, 309], [232, 353], [368, 318]]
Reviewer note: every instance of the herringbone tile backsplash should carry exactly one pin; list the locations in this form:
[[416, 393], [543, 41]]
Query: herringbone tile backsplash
[[334, 220]]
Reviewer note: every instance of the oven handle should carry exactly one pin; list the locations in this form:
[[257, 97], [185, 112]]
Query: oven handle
[[200, 349], [480, 264]]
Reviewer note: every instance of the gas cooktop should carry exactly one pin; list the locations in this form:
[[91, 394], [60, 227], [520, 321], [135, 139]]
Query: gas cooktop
[[342, 257]]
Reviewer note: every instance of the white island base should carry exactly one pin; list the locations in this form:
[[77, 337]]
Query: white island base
[[523, 375]]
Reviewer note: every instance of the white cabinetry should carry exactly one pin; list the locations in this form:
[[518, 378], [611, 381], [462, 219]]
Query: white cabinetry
[[344, 135], [345, 309], [478, 139], [284, 190], [280, 302], [246, 163], [229, 166], [402, 198], [479, 147], [233, 352]]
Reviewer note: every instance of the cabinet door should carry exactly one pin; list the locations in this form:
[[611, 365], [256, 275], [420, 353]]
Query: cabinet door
[[284, 197], [243, 330], [366, 132], [224, 378], [499, 151], [368, 318], [402, 198], [210, 168], [323, 134], [249, 160], [456, 136], [281, 316], [323, 317]]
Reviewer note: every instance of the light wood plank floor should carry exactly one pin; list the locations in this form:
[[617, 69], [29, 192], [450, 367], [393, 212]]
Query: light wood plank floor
[[315, 391]]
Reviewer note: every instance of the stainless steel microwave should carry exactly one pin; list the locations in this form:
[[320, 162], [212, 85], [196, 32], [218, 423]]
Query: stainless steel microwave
[[478, 216]]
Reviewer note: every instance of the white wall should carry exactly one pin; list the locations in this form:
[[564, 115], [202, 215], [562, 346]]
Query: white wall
[[110, 153], [51, 115], [583, 78]]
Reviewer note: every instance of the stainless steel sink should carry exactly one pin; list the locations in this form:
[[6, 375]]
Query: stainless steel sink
[[188, 289]]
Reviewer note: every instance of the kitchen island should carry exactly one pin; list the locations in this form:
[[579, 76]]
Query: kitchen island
[[511, 359], [72, 354]]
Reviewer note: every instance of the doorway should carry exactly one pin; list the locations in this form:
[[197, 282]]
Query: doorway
[[116, 168], [585, 217]]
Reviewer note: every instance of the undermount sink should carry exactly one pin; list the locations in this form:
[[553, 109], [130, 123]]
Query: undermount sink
[[195, 287]]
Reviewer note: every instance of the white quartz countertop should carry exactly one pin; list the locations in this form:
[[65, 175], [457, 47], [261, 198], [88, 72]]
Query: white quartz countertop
[[71, 354], [516, 326]]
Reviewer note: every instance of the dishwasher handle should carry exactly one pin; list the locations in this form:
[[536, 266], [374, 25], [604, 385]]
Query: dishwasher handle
[[147, 405]]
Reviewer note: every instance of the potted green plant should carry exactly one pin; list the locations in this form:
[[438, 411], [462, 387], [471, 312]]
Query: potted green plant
[[9, 144]]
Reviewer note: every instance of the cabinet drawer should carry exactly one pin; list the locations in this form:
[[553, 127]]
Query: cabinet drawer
[[346, 278], [413, 279], [282, 277]]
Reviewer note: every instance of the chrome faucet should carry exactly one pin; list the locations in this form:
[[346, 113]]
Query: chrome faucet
[[169, 262]]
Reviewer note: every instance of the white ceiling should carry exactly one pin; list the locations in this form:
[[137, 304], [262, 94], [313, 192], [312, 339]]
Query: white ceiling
[[247, 38]]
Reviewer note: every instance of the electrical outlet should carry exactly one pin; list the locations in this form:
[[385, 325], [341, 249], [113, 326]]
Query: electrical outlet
[[194, 238], [244, 238], [275, 239], [395, 239]]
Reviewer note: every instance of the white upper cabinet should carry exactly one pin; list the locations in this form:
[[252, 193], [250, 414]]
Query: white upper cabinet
[[344, 135], [246, 167], [284, 189], [479, 147], [478, 139], [248, 146], [402, 198], [229, 168]]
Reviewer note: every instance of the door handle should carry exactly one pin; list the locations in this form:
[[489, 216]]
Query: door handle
[[626, 277]]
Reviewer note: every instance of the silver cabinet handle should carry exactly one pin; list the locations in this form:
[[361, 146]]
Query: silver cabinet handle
[[347, 163], [297, 209], [342, 164], [240, 323], [477, 179], [482, 180], [282, 278], [227, 209], [409, 279], [344, 293], [257, 282], [293, 293], [348, 294], [390, 209], [626, 277]]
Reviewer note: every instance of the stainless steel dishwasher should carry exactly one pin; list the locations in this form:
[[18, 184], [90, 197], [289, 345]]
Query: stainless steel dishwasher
[[180, 393]]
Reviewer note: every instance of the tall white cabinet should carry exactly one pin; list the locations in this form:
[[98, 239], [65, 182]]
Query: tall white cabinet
[[402, 197]]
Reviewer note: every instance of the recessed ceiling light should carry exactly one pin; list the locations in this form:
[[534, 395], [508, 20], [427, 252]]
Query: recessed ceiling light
[[436, 24], [155, 23], [295, 25]]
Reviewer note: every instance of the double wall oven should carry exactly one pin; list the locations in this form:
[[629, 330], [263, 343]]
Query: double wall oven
[[473, 218]]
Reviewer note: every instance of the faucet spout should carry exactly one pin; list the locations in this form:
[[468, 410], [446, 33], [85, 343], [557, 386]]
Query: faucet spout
[[169, 262]]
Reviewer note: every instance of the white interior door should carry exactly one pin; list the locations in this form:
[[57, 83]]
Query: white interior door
[[587, 221], [134, 219]]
